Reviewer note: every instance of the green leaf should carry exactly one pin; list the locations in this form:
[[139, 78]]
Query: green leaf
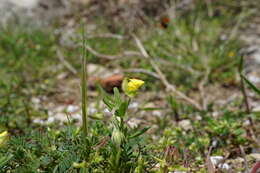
[[117, 96], [122, 108], [109, 102], [4, 160], [251, 84], [241, 64], [140, 132]]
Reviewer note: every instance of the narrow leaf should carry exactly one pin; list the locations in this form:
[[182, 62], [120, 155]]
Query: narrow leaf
[[252, 86], [140, 132], [117, 96], [4, 160], [122, 109], [108, 102]]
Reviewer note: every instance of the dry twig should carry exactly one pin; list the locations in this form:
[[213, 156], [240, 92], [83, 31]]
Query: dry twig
[[107, 35], [112, 57], [201, 86], [162, 77], [65, 62], [179, 66], [244, 156], [209, 164], [139, 70]]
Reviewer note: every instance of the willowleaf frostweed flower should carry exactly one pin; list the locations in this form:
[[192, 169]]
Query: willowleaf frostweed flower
[[131, 86], [3, 138]]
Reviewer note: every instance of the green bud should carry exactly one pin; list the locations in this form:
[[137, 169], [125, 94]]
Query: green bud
[[117, 136]]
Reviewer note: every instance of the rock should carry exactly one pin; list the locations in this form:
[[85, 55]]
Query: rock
[[28, 4], [133, 106], [107, 113], [246, 123], [157, 113], [256, 109], [185, 124], [134, 122], [216, 162], [216, 159], [36, 12], [97, 70], [72, 108], [92, 111], [255, 156]]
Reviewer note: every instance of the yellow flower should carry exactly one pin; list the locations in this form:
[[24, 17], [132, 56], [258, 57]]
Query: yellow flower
[[134, 84], [3, 138], [130, 86], [231, 54]]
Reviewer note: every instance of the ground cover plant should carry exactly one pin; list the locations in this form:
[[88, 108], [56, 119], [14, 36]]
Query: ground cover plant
[[180, 100]]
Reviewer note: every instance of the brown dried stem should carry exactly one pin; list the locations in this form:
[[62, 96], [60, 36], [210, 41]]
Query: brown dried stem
[[169, 87], [65, 62], [112, 57]]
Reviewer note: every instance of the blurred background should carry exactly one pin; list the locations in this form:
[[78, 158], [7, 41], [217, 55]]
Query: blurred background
[[197, 45]]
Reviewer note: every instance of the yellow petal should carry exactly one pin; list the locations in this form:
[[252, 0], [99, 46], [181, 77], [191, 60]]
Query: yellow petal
[[134, 85], [3, 138]]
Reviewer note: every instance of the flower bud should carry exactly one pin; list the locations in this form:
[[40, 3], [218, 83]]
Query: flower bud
[[117, 136]]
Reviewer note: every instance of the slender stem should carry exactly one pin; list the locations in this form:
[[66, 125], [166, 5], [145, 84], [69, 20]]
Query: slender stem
[[243, 89], [84, 87]]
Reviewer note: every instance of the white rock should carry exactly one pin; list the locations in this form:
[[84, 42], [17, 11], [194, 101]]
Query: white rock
[[157, 113], [35, 100], [214, 143], [246, 123], [185, 124], [254, 79], [61, 117], [255, 156], [216, 159], [28, 4], [133, 106], [72, 108], [38, 121], [50, 120], [256, 109], [107, 113], [215, 114], [134, 122], [92, 111], [76, 116], [224, 166]]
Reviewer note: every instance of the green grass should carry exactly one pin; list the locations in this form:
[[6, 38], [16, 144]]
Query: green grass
[[27, 57]]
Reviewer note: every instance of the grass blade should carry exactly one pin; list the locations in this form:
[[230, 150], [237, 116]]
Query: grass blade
[[252, 86]]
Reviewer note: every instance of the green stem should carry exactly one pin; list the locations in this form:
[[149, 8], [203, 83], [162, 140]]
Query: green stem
[[84, 87]]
